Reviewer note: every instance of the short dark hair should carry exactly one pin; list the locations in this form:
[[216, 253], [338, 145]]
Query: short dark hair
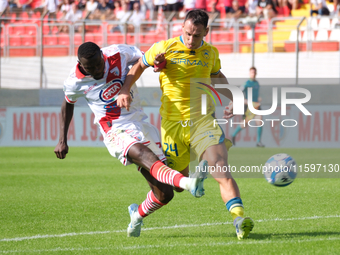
[[253, 68], [198, 17], [88, 50]]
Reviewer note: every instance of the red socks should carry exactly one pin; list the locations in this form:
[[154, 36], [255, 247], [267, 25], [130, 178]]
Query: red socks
[[165, 174], [149, 205]]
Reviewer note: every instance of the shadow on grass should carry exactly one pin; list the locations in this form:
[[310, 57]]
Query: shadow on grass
[[259, 236], [252, 236]]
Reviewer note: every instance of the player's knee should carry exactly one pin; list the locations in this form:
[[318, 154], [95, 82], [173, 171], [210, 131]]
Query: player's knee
[[140, 152]]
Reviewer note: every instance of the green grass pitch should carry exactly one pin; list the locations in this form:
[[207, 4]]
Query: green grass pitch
[[79, 206]]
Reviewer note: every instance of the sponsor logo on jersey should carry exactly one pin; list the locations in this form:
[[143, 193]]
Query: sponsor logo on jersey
[[192, 52], [189, 62], [205, 54], [115, 71], [110, 91], [176, 51]]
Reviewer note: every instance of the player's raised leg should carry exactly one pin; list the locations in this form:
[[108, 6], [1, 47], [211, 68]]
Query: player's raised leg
[[141, 155], [217, 155], [159, 195]]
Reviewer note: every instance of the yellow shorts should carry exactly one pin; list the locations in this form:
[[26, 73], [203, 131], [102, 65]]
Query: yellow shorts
[[248, 115], [185, 141]]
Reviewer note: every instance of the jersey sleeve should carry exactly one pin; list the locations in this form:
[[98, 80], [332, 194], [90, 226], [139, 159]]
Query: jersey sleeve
[[217, 63], [131, 53], [70, 91], [151, 53]]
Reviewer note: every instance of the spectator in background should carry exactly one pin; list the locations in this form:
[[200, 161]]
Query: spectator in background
[[285, 6], [136, 18], [131, 3], [318, 7], [266, 9], [201, 4], [172, 5], [82, 5], [104, 11], [227, 6], [52, 7], [65, 7], [91, 6], [118, 10], [3, 6], [24, 5], [122, 16], [213, 10], [189, 5], [73, 15], [236, 11], [159, 4], [251, 6], [147, 5]]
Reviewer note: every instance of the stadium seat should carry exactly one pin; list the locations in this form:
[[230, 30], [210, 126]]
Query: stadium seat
[[115, 38], [29, 41], [24, 16], [16, 30], [77, 39], [51, 40], [64, 40], [314, 23], [334, 22], [98, 39], [46, 29], [324, 23], [293, 36], [89, 38], [322, 35], [308, 35], [31, 30], [15, 41], [335, 35]]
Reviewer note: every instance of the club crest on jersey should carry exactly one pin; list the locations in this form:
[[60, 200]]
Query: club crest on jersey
[[205, 54], [111, 90], [115, 71]]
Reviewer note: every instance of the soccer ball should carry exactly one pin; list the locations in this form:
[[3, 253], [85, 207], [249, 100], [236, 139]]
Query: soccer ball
[[280, 170]]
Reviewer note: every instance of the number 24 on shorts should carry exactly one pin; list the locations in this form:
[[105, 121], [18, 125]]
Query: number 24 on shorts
[[172, 148]]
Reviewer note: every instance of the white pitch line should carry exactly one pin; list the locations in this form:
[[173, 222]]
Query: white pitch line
[[245, 242], [160, 228]]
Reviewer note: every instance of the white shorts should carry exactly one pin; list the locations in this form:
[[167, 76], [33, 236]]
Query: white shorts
[[122, 136]]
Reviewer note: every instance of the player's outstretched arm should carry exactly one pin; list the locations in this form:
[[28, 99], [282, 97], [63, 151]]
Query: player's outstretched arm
[[66, 116], [124, 99]]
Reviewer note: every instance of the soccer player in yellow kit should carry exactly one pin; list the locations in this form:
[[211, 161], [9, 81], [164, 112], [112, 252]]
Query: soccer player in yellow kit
[[184, 130]]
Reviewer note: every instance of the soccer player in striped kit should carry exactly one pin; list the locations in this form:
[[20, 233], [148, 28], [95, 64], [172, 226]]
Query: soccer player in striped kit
[[98, 77]]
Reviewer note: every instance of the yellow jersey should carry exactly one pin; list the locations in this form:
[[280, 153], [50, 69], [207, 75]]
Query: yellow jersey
[[181, 80]]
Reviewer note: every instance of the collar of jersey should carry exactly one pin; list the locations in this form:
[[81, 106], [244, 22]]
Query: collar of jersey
[[80, 75], [181, 38]]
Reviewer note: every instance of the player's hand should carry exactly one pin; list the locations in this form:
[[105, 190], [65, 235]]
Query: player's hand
[[228, 112], [124, 101], [159, 62], [61, 150]]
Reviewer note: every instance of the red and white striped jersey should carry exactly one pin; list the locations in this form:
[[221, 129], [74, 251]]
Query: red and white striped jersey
[[101, 95]]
